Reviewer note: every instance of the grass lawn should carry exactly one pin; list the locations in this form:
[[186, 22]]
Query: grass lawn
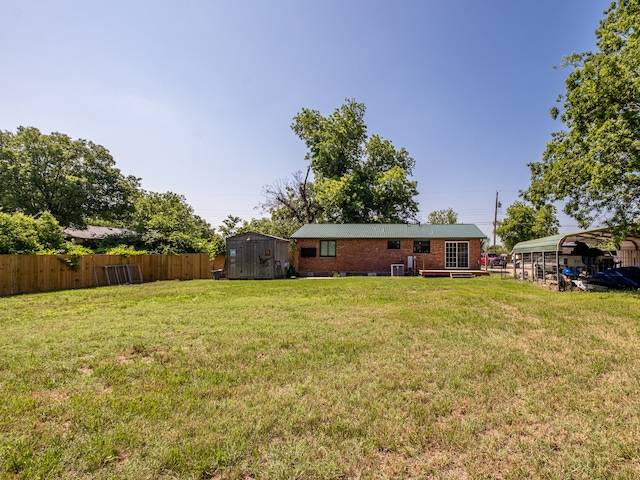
[[320, 378]]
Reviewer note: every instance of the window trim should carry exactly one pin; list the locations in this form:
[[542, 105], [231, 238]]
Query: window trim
[[327, 250]]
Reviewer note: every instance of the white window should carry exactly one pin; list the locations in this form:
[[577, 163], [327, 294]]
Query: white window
[[456, 255], [327, 248]]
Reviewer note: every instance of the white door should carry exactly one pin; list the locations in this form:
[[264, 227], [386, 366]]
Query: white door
[[456, 254]]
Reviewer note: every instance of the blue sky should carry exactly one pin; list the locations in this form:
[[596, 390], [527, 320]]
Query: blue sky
[[197, 97]]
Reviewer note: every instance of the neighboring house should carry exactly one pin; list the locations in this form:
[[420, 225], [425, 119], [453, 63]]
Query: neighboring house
[[91, 235], [364, 249]]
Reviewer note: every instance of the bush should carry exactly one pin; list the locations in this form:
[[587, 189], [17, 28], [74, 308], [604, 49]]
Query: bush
[[125, 250], [23, 234], [173, 243], [18, 234], [50, 233], [71, 248]]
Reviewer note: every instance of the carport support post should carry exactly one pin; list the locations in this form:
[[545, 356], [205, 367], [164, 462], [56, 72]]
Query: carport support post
[[533, 267], [544, 268], [558, 269]]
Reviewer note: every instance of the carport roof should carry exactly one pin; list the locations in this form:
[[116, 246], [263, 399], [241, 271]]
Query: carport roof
[[554, 242]]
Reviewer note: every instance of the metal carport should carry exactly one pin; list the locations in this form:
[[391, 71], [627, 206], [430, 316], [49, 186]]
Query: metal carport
[[551, 248]]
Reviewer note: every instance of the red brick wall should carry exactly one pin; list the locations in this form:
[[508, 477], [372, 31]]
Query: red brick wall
[[475, 249], [372, 256]]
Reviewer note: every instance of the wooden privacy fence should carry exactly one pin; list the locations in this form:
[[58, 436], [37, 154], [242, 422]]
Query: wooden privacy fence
[[42, 273]]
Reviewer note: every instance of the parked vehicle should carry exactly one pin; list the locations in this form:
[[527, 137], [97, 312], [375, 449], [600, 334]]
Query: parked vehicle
[[492, 259], [598, 262]]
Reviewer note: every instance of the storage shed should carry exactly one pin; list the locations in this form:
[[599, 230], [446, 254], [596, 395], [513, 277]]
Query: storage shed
[[256, 256]]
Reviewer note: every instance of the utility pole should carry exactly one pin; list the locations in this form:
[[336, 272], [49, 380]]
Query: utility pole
[[495, 221]]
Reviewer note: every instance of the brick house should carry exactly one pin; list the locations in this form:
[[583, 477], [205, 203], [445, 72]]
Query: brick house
[[364, 249]]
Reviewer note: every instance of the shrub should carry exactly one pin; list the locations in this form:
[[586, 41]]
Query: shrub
[[18, 234], [124, 250], [50, 234], [72, 248]]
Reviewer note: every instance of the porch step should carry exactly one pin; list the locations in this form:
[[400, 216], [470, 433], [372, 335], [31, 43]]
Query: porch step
[[462, 275]]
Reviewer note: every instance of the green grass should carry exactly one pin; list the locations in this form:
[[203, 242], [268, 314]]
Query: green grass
[[323, 378]]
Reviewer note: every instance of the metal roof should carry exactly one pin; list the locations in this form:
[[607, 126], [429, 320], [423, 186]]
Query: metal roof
[[545, 244], [95, 232], [554, 242], [388, 231], [255, 234]]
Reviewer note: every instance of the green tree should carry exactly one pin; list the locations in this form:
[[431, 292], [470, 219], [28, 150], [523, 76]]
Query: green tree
[[357, 179], [443, 217], [526, 222], [231, 225], [593, 165], [276, 226], [168, 224], [71, 179]]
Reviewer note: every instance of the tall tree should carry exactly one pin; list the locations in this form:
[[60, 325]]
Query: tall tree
[[594, 165], [443, 217], [275, 226], [168, 224], [526, 222], [231, 225], [293, 199], [72, 179], [356, 178]]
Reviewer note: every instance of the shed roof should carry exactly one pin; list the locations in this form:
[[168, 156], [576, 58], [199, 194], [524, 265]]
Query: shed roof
[[388, 231], [554, 243], [255, 234]]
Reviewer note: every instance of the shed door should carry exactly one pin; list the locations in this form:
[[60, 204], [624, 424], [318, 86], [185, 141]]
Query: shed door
[[252, 260], [265, 259]]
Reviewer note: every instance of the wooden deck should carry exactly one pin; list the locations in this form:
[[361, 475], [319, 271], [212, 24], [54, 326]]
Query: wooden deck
[[453, 273]]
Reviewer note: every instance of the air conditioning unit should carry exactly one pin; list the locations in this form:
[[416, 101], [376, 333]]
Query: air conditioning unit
[[397, 270]]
